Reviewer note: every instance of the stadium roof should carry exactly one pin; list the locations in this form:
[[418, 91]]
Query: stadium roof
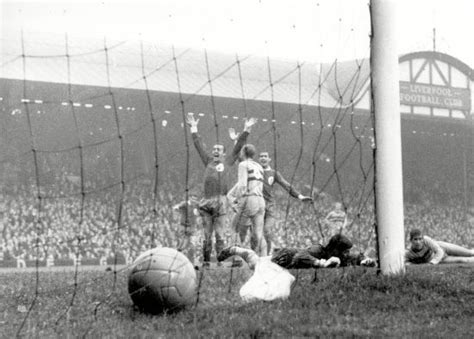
[[40, 57]]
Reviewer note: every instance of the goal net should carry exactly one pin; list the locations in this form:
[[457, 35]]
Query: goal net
[[95, 150]]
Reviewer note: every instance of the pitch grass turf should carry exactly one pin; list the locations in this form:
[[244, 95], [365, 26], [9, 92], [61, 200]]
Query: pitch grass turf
[[428, 301]]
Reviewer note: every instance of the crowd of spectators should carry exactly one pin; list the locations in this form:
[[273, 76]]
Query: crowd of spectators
[[70, 227]]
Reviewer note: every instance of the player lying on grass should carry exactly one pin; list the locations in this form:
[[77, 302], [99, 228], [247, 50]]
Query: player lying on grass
[[425, 250], [271, 279], [335, 253]]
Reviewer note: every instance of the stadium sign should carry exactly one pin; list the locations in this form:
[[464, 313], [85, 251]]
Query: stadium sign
[[417, 94]]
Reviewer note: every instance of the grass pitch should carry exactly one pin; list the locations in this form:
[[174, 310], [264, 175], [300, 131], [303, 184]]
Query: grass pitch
[[428, 301]]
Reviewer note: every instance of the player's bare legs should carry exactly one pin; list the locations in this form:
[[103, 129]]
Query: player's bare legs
[[455, 250], [240, 224], [219, 223], [256, 209], [258, 231], [207, 242], [269, 226]]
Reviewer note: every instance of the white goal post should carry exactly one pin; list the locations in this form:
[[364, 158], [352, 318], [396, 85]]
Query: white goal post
[[388, 153]]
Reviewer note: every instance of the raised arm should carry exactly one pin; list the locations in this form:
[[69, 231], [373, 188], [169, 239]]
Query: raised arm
[[286, 185], [233, 135], [192, 123], [241, 141]]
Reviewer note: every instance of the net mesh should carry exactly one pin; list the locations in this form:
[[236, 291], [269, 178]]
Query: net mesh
[[96, 151]]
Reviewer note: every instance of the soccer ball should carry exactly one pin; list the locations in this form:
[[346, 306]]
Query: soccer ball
[[162, 280]]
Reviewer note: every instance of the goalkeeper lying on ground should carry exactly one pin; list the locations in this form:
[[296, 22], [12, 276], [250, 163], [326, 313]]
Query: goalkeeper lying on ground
[[272, 280], [336, 253]]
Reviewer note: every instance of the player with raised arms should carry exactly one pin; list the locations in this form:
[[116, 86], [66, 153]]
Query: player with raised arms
[[270, 177], [213, 206]]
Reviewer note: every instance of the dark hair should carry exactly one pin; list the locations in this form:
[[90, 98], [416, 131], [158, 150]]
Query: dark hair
[[337, 245], [249, 151], [284, 257], [223, 146], [415, 233]]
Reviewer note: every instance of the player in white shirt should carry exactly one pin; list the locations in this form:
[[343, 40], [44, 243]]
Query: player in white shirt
[[249, 193]]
